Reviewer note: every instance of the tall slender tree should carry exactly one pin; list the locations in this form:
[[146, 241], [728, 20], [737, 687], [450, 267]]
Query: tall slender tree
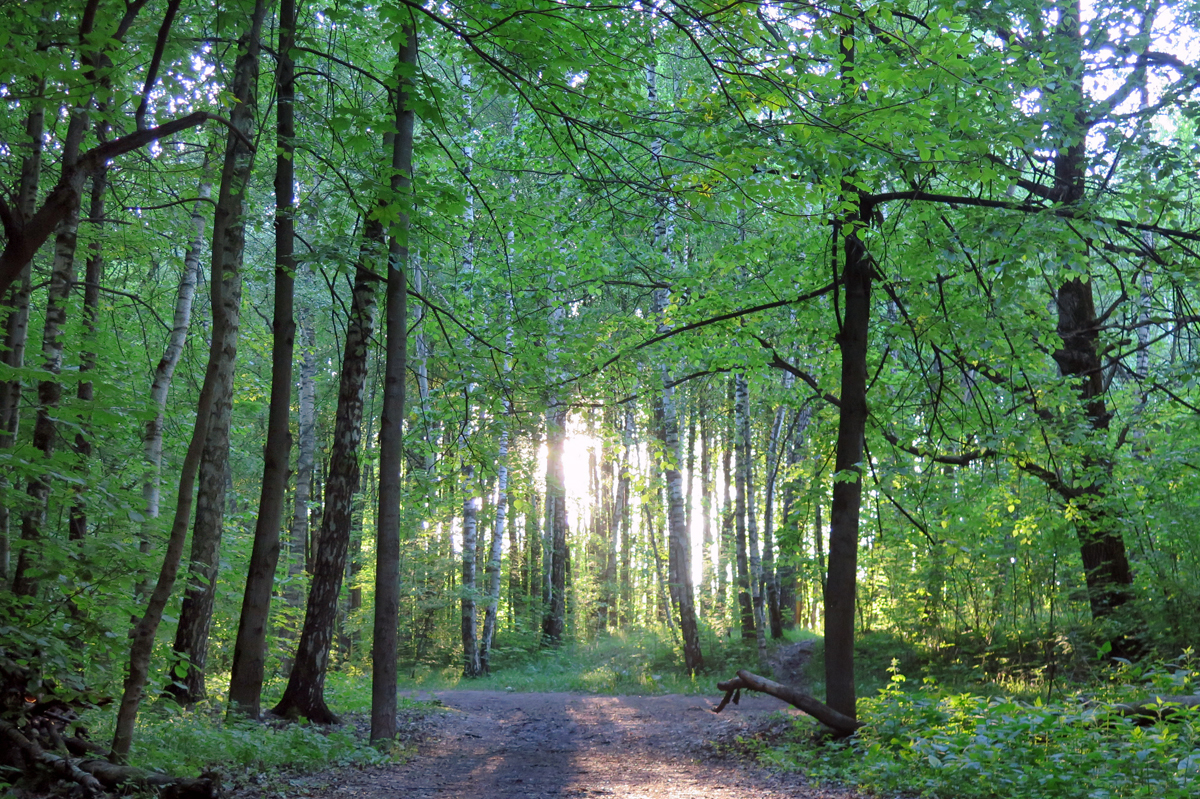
[[250, 649]]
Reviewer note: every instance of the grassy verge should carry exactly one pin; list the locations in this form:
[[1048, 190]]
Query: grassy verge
[[934, 741], [256, 758]]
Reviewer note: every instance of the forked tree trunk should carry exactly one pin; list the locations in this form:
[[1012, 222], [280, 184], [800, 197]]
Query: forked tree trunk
[[250, 648], [227, 215], [391, 435], [304, 695], [16, 319], [228, 247], [49, 392]]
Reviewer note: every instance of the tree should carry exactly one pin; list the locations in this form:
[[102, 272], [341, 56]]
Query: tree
[[391, 438]]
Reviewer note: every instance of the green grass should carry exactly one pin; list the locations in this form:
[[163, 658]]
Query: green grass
[[640, 662], [186, 742]]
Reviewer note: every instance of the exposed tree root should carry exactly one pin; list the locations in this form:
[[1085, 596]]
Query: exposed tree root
[[838, 722]]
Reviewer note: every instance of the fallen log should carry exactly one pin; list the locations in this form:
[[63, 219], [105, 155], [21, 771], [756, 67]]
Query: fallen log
[[745, 680], [96, 776], [1156, 708], [62, 766], [117, 777]]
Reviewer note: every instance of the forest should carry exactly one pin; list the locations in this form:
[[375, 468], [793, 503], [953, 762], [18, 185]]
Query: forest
[[401, 344]]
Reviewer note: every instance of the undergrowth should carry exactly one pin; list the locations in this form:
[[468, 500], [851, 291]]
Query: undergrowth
[[184, 742], [936, 742], [638, 662]]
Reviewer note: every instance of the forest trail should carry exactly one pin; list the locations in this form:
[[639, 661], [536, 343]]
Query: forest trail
[[499, 745]]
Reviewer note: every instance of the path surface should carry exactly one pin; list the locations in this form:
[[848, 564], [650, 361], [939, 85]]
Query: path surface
[[496, 745]]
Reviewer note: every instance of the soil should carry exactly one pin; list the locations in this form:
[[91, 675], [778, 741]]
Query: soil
[[499, 745]]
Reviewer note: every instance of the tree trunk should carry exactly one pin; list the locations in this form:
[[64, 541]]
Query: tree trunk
[[495, 552], [555, 621], [305, 692], [85, 392], [470, 539], [250, 649], [770, 583], [840, 587], [707, 563], [624, 514], [744, 504], [752, 544], [305, 457], [787, 571], [228, 215], [679, 541], [1106, 565], [662, 592], [391, 434], [152, 438], [49, 392], [228, 247], [727, 547], [16, 320]]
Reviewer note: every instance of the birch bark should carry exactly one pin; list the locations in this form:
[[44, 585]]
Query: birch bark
[[49, 391], [227, 236], [304, 695], [164, 372], [228, 247], [16, 320]]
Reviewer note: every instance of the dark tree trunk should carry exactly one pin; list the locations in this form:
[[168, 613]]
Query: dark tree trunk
[[305, 692], [707, 566], [391, 434], [1105, 562], [743, 507], [847, 487], [16, 315], [250, 649]]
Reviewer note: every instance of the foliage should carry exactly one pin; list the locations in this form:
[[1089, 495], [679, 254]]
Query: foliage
[[175, 740], [938, 742]]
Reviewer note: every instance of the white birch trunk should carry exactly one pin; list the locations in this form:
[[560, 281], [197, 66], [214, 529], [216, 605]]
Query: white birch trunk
[[152, 438]]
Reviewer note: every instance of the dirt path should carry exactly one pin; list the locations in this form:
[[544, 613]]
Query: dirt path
[[495, 745]]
